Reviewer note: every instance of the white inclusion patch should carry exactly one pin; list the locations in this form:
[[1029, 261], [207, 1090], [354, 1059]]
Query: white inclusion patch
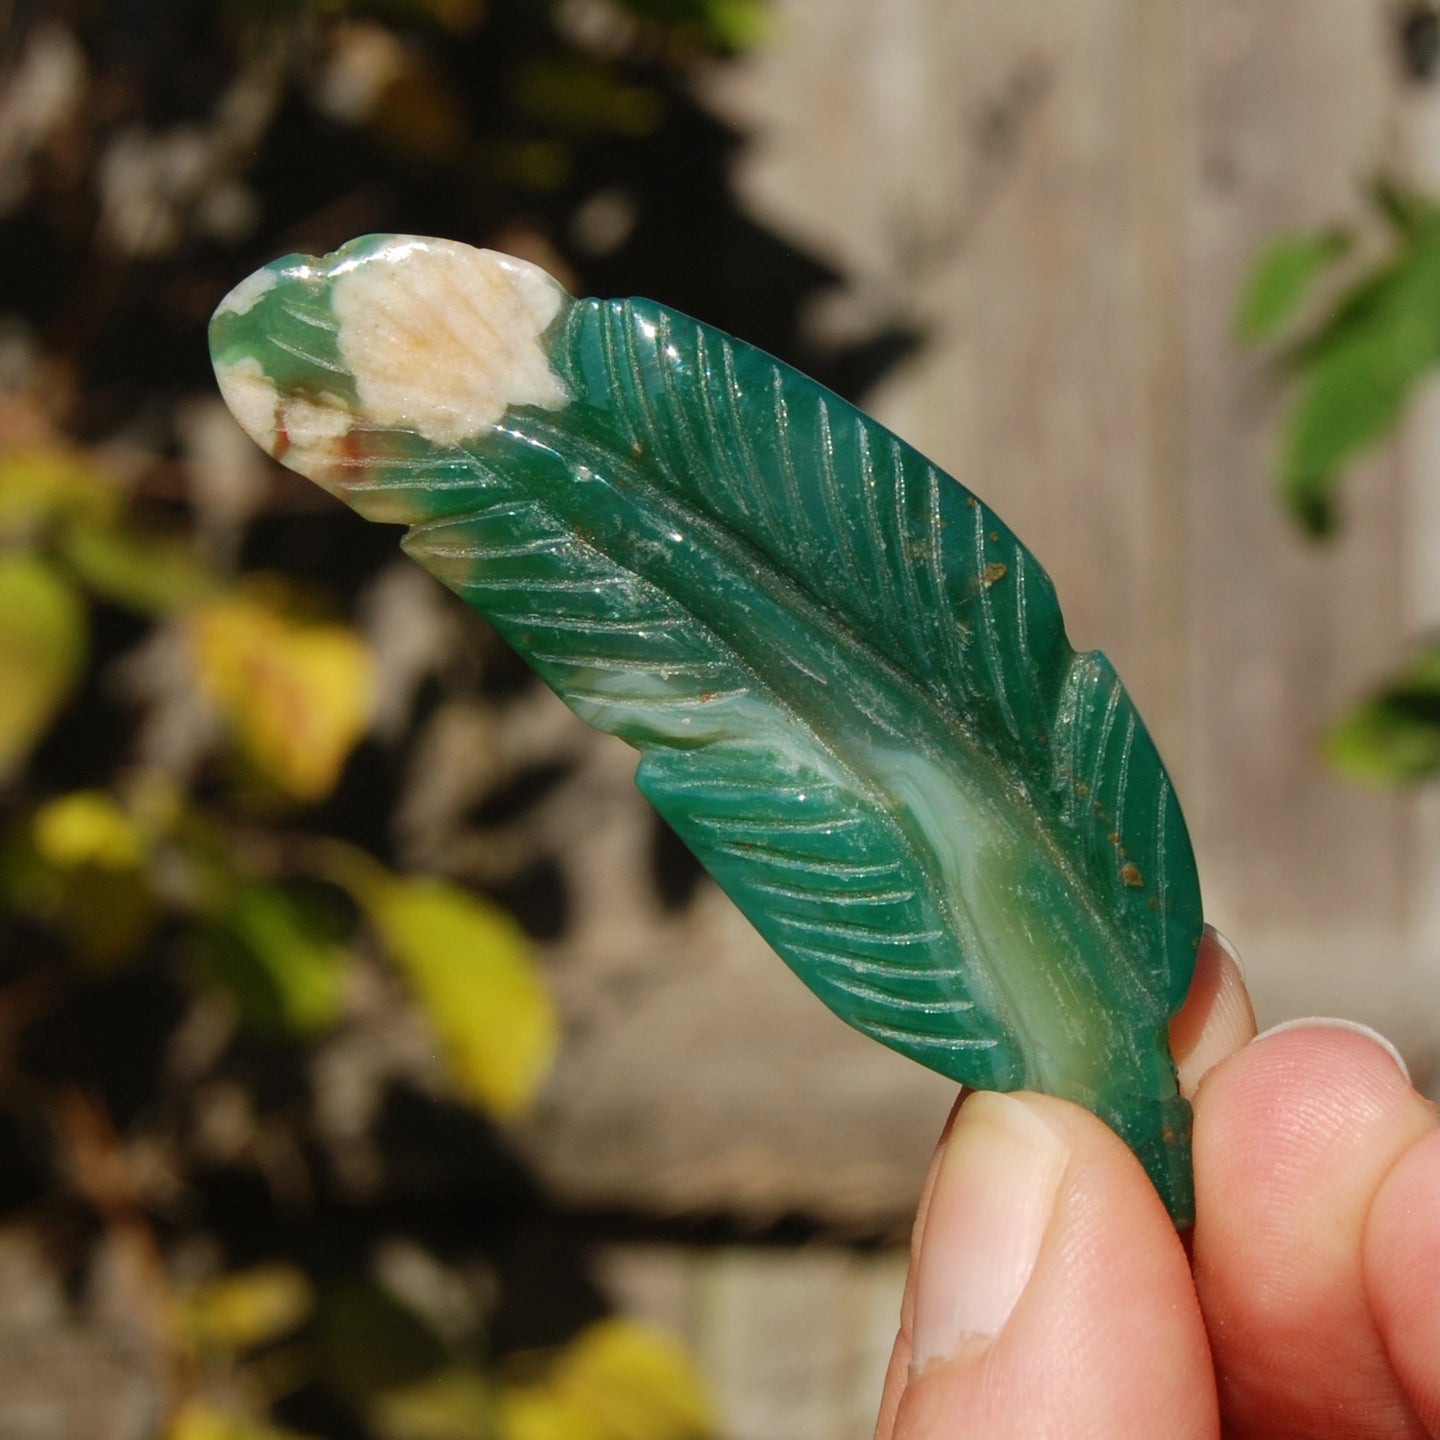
[[621, 700], [313, 427], [241, 300], [640, 703], [252, 398], [443, 339], [306, 434], [982, 856]]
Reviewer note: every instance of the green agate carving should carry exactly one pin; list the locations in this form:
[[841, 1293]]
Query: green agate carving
[[849, 683]]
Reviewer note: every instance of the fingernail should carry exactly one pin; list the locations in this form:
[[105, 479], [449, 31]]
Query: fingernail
[[1334, 1022], [1223, 941], [987, 1218]]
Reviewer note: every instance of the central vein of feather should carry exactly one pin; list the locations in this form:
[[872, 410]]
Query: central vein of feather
[[1016, 917]]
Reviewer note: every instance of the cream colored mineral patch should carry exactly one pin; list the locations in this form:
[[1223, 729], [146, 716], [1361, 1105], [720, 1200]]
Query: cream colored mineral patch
[[443, 338], [252, 399], [306, 434], [241, 300]]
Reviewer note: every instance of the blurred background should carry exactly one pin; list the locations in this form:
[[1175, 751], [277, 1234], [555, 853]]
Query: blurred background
[[373, 1063]]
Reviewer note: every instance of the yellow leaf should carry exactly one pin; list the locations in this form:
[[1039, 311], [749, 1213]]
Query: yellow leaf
[[538, 1412], [295, 695], [39, 486], [618, 1380], [43, 640], [151, 573], [637, 1380], [456, 1403], [472, 970], [87, 828], [199, 1421], [248, 1308], [81, 869]]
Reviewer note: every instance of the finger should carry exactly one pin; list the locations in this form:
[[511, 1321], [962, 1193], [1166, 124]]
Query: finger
[[899, 1367], [1294, 1138], [1217, 1017], [1402, 1272], [1051, 1293], [1216, 1020]]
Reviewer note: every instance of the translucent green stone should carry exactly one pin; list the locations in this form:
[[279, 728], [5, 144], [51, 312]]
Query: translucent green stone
[[848, 682]]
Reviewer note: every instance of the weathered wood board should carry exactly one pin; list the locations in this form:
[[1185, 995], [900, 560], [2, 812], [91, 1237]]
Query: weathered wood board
[[1066, 198]]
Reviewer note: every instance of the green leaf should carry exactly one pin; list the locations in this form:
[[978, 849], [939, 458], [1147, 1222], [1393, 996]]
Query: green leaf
[[1390, 296], [1352, 396], [739, 25], [728, 26], [1393, 736], [44, 636], [1282, 277], [370, 1343], [276, 957], [1408, 210], [849, 683], [576, 95], [1356, 376]]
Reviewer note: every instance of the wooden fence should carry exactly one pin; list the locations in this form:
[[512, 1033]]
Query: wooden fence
[[1065, 197]]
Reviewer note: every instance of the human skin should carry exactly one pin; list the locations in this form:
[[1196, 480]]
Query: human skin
[[1049, 1294]]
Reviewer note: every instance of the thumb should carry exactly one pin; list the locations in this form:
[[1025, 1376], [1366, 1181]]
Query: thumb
[[1048, 1292]]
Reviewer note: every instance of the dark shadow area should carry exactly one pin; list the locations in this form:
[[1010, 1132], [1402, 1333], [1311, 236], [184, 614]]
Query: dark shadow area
[[187, 985]]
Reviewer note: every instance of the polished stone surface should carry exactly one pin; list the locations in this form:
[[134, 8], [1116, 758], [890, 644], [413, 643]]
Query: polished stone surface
[[849, 683]]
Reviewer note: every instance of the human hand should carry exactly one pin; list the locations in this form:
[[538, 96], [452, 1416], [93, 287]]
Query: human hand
[[1049, 1294]]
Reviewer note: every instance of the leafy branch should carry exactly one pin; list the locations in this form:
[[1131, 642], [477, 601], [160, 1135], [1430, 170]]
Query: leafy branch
[[1354, 368], [1355, 345]]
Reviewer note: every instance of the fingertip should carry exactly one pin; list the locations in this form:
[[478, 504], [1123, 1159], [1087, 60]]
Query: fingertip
[[1343, 1074], [897, 1375], [1052, 1294], [1217, 1018], [1294, 1135], [1354, 1027], [991, 1204], [922, 1210], [898, 1371]]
